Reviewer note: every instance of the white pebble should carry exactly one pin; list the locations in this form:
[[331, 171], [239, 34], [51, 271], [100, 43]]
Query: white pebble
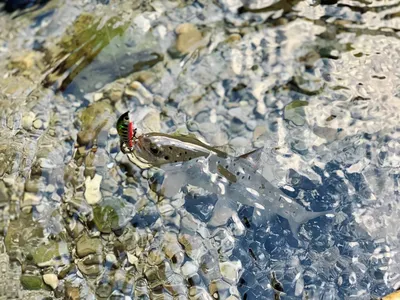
[[37, 123], [51, 280], [27, 120], [189, 268], [92, 189]]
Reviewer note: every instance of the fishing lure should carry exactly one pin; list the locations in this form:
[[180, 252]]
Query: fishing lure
[[187, 160], [126, 132]]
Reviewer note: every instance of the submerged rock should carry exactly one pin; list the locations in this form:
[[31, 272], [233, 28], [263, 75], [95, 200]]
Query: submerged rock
[[51, 280], [49, 254], [87, 245], [96, 119], [189, 38], [32, 282], [112, 214]]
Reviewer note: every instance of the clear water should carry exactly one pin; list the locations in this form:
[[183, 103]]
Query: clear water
[[315, 82]]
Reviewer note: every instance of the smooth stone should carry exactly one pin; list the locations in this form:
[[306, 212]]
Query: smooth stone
[[51, 280], [152, 122], [37, 123], [27, 120], [87, 245], [48, 254], [32, 282], [251, 124], [239, 142], [92, 191], [189, 38], [230, 270], [112, 214], [89, 270]]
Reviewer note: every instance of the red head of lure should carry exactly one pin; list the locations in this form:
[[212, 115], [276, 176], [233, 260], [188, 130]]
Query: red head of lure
[[126, 132]]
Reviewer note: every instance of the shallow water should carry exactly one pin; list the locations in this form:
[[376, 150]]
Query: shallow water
[[315, 82]]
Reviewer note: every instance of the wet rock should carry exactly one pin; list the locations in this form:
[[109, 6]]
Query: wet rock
[[90, 265], [27, 120], [24, 235], [31, 199], [4, 198], [92, 189], [251, 124], [23, 62], [87, 245], [189, 269], [239, 142], [230, 271], [51, 280], [220, 289], [49, 254], [72, 292], [137, 90], [112, 214], [189, 38], [259, 131], [32, 282], [37, 124], [96, 118], [294, 112], [151, 122]]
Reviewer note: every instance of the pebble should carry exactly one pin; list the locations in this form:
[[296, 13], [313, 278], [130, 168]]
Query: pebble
[[259, 131], [251, 124], [189, 268], [236, 61], [230, 270], [87, 245], [151, 122], [189, 38], [51, 280], [37, 123], [239, 142], [92, 189], [27, 120]]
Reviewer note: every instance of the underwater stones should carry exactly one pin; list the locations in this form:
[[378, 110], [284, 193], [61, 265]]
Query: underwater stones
[[112, 213], [91, 265], [72, 292], [151, 122], [27, 120], [220, 289], [51, 280], [139, 91], [95, 119], [251, 124], [193, 245], [294, 112], [32, 282], [92, 189], [49, 254], [23, 236], [239, 142], [31, 199], [230, 271], [23, 62], [155, 257], [189, 38], [189, 268], [4, 198], [37, 124], [87, 245], [173, 250]]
